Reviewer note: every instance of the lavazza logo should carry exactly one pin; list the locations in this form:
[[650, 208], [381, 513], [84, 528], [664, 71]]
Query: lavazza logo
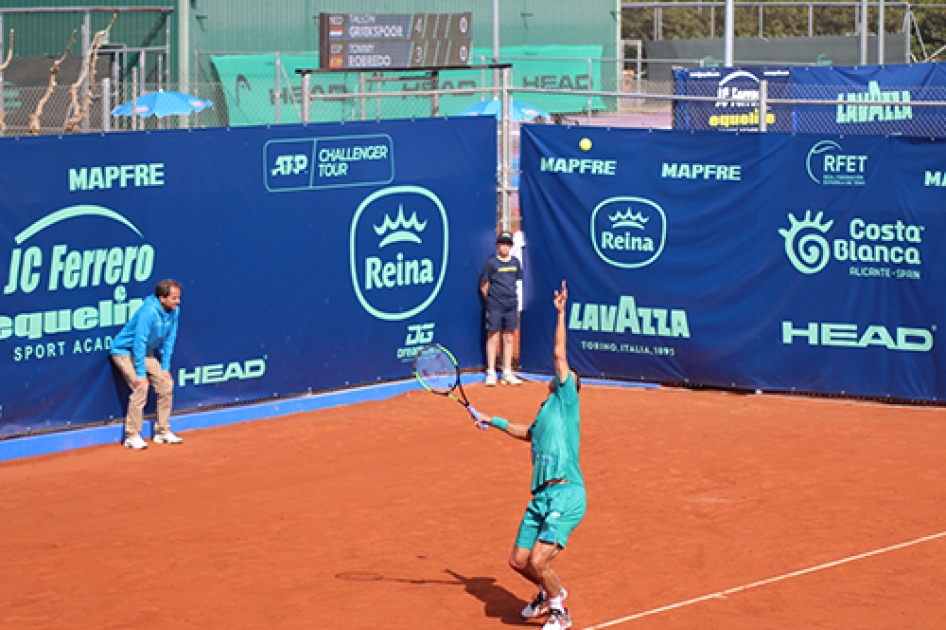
[[628, 232], [870, 246], [399, 249]]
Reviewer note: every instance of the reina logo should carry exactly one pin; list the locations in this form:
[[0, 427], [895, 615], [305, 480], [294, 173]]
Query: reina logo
[[628, 232], [829, 165], [398, 251]]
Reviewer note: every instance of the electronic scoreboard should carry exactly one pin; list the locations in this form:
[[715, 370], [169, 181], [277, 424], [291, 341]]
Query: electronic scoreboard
[[374, 41]]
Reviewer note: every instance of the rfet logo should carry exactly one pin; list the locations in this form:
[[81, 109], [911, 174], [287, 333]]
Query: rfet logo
[[399, 251], [828, 164], [628, 232]]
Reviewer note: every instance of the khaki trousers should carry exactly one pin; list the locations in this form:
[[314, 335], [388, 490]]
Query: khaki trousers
[[163, 387]]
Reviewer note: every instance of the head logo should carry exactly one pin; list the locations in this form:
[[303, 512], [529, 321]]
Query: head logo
[[805, 243], [628, 232], [828, 165], [398, 252]]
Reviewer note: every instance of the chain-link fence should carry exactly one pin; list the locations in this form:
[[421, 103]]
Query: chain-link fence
[[271, 92], [267, 89]]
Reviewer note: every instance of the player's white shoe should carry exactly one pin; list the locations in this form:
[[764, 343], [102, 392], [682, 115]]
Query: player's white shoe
[[511, 379], [490, 379], [167, 438], [135, 442], [558, 620], [539, 605]]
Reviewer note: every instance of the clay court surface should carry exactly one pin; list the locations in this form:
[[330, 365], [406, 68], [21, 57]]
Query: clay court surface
[[400, 514]]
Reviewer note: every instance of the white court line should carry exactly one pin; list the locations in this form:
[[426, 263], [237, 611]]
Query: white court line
[[778, 578]]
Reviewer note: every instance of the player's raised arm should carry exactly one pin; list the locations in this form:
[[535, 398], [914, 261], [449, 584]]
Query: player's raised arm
[[559, 352]]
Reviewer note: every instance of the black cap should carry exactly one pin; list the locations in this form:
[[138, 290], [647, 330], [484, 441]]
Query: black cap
[[505, 237]]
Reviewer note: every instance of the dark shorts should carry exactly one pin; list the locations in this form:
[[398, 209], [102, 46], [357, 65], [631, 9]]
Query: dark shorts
[[498, 318]]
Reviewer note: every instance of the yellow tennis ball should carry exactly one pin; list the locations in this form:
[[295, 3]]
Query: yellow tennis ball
[[585, 144]]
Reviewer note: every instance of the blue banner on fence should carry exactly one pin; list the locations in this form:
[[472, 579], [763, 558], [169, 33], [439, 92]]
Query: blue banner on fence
[[741, 113], [847, 87], [765, 261], [850, 87], [310, 258]]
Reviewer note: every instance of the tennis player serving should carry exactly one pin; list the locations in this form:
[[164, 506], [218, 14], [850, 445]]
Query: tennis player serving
[[558, 489]]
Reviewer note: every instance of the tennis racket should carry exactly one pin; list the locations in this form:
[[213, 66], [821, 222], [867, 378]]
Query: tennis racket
[[436, 369]]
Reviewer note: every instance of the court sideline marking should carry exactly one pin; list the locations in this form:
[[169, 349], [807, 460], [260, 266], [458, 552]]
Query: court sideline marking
[[778, 578]]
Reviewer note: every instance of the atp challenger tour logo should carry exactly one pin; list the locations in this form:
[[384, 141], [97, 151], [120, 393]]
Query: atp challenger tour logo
[[871, 245], [398, 252], [628, 232], [50, 262]]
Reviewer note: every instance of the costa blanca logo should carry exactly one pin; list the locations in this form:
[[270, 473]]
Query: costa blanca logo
[[871, 244], [628, 232], [399, 251], [51, 259], [805, 243], [828, 165]]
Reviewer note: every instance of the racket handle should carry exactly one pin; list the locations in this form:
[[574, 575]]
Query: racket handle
[[477, 417]]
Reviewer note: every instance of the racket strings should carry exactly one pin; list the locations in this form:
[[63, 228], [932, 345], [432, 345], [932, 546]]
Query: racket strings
[[436, 370]]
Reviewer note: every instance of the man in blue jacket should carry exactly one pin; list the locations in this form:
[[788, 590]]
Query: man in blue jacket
[[152, 329]]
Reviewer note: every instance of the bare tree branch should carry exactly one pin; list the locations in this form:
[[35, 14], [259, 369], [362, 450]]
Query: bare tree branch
[[79, 113], [3, 112], [36, 117]]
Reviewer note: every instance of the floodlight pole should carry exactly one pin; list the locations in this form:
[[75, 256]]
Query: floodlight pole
[[729, 35], [880, 32], [495, 42], [863, 32]]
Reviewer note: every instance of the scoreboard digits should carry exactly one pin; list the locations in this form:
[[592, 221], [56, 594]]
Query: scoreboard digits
[[373, 41]]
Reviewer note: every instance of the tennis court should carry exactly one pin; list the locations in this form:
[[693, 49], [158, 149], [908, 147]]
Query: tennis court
[[706, 510]]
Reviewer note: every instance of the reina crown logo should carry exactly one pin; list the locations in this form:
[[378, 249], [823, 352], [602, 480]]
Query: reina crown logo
[[628, 232], [398, 252]]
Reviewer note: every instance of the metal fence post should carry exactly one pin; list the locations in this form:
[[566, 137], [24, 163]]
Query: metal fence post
[[763, 105], [504, 153], [306, 101], [106, 104], [278, 86], [590, 87], [134, 98]]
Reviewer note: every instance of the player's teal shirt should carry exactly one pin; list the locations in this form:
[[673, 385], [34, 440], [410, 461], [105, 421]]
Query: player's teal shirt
[[556, 437]]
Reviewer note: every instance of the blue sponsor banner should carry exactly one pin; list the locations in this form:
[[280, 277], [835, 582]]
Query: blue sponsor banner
[[848, 87], [741, 86], [851, 86], [310, 258], [761, 261]]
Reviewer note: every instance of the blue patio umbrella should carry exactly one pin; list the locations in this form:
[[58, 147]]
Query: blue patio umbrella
[[162, 104], [518, 110]]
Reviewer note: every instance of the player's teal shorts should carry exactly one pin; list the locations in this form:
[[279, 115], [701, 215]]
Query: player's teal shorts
[[552, 515]]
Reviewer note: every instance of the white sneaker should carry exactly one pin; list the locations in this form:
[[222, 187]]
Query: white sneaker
[[135, 442], [558, 620], [490, 379], [539, 605], [167, 438], [511, 379]]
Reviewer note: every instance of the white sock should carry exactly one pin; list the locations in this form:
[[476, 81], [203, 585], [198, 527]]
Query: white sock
[[556, 602]]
